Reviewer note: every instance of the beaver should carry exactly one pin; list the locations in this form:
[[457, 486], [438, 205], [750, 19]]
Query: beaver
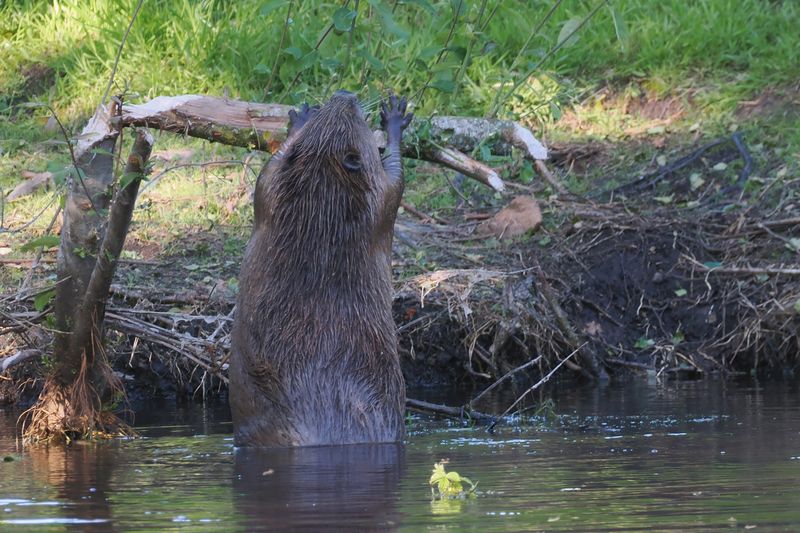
[[313, 348]]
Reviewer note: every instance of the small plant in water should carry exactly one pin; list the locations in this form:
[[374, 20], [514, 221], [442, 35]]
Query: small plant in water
[[449, 485]]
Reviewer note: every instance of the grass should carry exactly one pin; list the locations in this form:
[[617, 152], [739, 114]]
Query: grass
[[700, 59], [187, 46]]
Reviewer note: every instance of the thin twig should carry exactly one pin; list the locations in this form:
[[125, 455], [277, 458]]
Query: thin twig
[[535, 386], [279, 52], [503, 378]]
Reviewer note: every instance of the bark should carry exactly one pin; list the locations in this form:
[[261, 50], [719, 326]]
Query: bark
[[464, 164], [264, 127], [87, 334], [87, 201]]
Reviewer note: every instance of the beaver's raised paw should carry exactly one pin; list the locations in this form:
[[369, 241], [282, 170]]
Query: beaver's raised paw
[[298, 118], [393, 114]]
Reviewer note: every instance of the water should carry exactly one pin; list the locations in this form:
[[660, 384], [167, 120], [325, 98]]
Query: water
[[693, 456]]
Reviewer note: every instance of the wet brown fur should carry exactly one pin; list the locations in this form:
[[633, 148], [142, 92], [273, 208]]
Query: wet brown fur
[[314, 350]]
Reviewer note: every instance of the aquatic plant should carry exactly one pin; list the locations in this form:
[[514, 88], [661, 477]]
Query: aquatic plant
[[449, 485]]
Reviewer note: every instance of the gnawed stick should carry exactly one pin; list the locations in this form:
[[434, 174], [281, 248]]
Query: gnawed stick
[[459, 413], [464, 164], [264, 127]]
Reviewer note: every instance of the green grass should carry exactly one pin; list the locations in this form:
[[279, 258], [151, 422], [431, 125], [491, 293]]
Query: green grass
[[181, 46]]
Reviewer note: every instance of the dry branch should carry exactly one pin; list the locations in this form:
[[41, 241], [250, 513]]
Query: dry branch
[[747, 271], [461, 413], [264, 127], [464, 164], [19, 357]]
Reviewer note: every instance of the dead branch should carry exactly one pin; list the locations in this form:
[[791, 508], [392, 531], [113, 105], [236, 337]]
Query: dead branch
[[744, 270], [187, 297], [535, 386], [549, 177], [459, 413], [503, 378], [197, 350], [464, 164], [19, 357], [264, 127]]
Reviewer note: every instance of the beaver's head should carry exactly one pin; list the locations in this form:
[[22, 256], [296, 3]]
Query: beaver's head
[[335, 143]]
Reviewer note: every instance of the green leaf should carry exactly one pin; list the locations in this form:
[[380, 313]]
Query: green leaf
[[445, 86], [797, 306], [619, 26], [567, 37], [128, 178], [261, 68], [429, 51], [438, 473], [387, 20], [643, 343], [555, 111], [664, 199], [47, 241], [41, 301], [712, 264], [308, 60], [294, 51], [100, 151], [695, 181], [330, 63], [343, 18], [680, 292], [454, 477]]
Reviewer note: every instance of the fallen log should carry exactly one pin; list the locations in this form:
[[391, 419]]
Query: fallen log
[[263, 127]]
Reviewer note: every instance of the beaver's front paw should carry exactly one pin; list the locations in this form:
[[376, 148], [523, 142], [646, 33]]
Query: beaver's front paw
[[393, 114], [298, 118]]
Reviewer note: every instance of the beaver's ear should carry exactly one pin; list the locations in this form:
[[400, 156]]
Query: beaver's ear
[[352, 162]]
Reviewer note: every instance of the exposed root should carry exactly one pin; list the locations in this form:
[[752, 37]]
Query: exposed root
[[63, 414]]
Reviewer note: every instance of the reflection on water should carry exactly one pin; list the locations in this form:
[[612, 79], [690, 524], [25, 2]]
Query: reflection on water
[[702, 456], [350, 486]]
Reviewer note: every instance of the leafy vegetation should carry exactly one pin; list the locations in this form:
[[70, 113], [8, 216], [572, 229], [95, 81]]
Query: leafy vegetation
[[449, 485], [452, 55]]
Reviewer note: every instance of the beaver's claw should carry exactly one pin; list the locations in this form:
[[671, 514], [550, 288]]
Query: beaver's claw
[[298, 118], [393, 113]]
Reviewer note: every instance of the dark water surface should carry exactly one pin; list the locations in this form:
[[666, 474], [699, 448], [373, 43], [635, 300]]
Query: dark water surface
[[680, 457]]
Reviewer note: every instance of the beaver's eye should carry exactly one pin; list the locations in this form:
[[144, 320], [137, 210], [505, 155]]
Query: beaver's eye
[[352, 162]]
